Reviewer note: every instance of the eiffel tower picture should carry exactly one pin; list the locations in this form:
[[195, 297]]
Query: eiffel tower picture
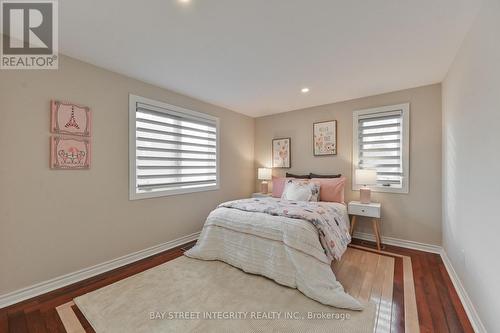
[[72, 121], [69, 118]]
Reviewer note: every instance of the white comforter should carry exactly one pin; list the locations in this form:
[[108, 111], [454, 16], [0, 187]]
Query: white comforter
[[284, 249]]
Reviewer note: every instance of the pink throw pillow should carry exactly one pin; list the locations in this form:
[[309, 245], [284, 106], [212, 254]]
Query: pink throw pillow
[[331, 189], [278, 186]]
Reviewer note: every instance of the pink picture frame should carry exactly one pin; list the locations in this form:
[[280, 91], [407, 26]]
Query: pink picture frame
[[70, 119], [70, 153]]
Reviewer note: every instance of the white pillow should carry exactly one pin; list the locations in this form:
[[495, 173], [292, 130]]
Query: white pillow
[[300, 190]]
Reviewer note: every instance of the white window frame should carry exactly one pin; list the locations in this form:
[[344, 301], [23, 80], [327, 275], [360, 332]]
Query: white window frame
[[405, 145], [133, 195]]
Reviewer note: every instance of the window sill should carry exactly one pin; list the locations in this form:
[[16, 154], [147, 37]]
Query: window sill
[[156, 194], [403, 190]]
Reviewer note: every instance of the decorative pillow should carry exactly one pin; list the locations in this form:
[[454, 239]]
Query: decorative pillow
[[278, 186], [313, 175], [331, 189], [301, 190], [291, 175]]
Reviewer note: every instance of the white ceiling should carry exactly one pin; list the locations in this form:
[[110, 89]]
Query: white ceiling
[[254, 56]]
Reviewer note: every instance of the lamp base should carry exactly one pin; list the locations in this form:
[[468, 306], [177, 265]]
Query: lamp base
[[263, 187], [365, 195]]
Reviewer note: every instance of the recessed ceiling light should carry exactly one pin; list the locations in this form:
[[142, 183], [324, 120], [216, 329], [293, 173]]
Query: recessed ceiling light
[[184, 1], [305, 90]]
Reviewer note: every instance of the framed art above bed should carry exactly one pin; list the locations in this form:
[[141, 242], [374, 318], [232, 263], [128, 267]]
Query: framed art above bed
[[281, 153], [325, 138]]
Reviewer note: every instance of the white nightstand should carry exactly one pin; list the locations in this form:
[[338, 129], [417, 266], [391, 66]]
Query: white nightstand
[[356, 208], [261, 195]]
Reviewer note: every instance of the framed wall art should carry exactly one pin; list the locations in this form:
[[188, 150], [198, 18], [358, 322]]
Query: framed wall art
[[325, 138], [69, 153], [70, 119], [281, 153]]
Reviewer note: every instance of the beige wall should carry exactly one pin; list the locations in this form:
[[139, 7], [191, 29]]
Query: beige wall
[[56, 222], [471, 159], [415, 216]]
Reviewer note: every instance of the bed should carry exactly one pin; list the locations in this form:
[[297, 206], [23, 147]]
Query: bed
[[290, 242]]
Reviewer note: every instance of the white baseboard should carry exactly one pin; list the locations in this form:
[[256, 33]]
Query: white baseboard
[[476, 322], [400, 242], [67, 279]]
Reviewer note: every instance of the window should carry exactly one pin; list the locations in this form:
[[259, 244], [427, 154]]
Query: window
[[381, 142], [172, 150]]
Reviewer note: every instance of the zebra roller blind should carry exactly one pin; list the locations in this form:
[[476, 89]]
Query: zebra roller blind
[[174, 150], [381, 139]]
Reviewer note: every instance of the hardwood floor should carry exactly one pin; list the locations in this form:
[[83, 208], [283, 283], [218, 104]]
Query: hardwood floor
[[438, 304], [369, 276], [439, 308]]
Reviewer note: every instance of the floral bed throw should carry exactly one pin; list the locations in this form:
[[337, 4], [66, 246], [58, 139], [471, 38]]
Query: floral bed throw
[[333, 229]]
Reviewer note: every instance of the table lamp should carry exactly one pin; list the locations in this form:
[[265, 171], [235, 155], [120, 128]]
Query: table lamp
[[365, 177], [264, 174]]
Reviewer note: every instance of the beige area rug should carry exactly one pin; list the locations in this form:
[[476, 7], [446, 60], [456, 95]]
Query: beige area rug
[[189, 295]]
